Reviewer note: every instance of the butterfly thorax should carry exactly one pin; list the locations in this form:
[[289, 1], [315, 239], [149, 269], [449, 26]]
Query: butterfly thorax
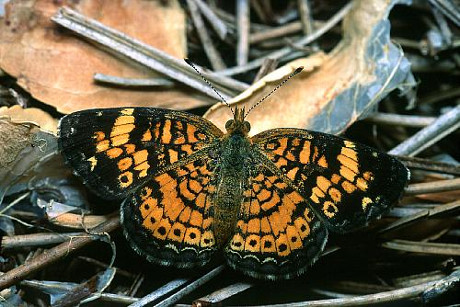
[[235, 155]]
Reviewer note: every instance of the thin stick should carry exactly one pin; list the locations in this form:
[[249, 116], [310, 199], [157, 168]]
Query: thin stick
[[429, 165], [441, 127], [433, 187], [191, 287], [162, 291], [400, 120], [424, 247], [54, 254], [242, 47], [133, 82], [305, 16], [216, 297], [141, 53], [37, 239], [440, 96], [216, 23], [285, 51], [377, 298], [211, 52], [439, 210]]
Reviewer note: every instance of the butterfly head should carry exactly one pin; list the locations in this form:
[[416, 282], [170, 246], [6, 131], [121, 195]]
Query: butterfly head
[[238, 125]]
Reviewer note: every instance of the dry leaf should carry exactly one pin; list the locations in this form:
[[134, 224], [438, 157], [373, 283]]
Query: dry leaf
[[33, 116], [349, 82], [57, 68], [22, 146]]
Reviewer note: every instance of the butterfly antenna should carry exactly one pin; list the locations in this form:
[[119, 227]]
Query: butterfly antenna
[[298, 70], [209, 83]]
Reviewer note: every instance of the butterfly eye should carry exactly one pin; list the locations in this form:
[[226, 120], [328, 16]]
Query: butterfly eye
[[247, 126], [229, 124]]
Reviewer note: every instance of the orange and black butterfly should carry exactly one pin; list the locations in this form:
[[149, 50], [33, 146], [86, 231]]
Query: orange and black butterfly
[[191, 190]]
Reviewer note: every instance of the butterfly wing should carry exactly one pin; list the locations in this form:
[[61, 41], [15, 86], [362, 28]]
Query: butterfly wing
[[169, 219], [277, 236], [117, 150], [346, 184]]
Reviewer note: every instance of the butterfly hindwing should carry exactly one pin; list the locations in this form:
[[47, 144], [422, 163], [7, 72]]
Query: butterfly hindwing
[[117, 150], [346, 184], [169, 219], [277, 235]]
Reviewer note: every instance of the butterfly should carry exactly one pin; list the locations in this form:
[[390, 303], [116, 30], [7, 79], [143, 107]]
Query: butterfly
[[190, 190]]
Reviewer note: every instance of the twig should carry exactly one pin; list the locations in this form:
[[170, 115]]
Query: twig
[[281, 31], [37, 239], [263, 10], [422, 215], [143, 54], [191, 287], [444, 125], [216, 23], [14, 202], [433, 187], [211, 52], [400, 120], [220, 295], [168, 288], [136, 284], [305, 16], [423, 247], [429, 165], [267, 67], [440, 96], [132, 82], [54, 254], [230, 20], [285, 51], [377, 298], [242, 16], [443, 27], [449, 8]]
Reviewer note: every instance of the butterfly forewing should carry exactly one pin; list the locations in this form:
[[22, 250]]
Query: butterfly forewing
[[277, 235], [117, 150], [346, 184]]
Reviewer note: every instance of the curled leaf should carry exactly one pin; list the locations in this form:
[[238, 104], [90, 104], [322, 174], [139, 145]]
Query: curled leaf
[[22, 146], [346, 85], [33, 116]]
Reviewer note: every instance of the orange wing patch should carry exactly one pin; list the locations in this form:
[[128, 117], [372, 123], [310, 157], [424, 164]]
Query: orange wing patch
[[275, 226], [174, 212]]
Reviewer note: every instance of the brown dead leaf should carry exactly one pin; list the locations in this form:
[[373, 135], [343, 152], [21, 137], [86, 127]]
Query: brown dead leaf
[[23, 145], [346, 83], [33, 116], [57, 68], [270, 113], [13, 139]]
